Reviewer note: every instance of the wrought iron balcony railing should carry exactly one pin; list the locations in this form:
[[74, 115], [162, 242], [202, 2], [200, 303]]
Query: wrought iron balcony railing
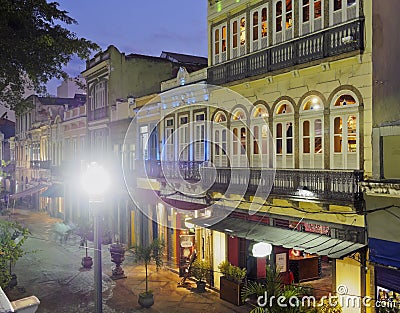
[[173, 170], [40, 164], [337, 186], [330, 42]]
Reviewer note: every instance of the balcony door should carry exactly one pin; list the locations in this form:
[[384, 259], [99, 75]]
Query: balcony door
[[260, 137], [342, 11], [284, 135], [345, 131], [239, 132], [220, 140], [200, 151], [311, 16], [311, 133]]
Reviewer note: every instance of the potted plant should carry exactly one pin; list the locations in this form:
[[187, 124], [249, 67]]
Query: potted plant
[[87, 261], [84, 230], [231, 283], [200, 271], [153, 252]]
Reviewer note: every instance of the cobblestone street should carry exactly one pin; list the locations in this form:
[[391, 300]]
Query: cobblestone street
[[53, 273]]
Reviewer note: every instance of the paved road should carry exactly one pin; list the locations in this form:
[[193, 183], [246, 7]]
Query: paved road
[[53, 273]]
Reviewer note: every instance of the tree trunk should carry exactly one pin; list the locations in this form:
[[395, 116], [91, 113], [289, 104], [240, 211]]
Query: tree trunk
[[145, 265]]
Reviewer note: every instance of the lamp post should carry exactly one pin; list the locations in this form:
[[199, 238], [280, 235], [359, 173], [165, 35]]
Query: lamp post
[[95, 182]]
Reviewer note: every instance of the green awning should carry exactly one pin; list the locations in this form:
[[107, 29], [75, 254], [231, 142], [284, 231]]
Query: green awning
[[292, 239], [54, 191]]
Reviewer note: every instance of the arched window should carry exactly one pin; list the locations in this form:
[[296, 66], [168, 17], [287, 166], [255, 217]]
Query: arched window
[[260, 137], [310, 16], [283, 26], [239, 140], [284, 134], [259, 34], [219, 43], [345, 146], [220, 140], [311, 136], [238, 36]]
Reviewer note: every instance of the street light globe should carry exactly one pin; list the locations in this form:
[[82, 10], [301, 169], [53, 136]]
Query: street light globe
[[95, 180], [261, 249]]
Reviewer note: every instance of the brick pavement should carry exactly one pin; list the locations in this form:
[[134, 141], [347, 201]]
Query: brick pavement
[[55, 276]]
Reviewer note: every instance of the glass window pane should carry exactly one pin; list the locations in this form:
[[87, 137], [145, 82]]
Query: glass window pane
[[306, 145], [289, 146], [242, 31], [337, 5], [318, 127], [306, 128], [279, 146], [279, 130], [337, 125], [317, 9], [306, 13], [318, 145]]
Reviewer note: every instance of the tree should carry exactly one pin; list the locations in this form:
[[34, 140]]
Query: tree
[[153, 252], [12, 238], [34, 47]]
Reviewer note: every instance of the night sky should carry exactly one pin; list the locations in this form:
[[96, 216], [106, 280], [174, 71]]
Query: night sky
[[144, 27]]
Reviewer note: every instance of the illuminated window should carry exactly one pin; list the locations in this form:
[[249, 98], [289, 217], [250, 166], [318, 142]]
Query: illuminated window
[[235, 141], [284, 109], [306, 10], [260, 112], [278, 16], [259, 29], [219, 43], [216, 42], [338, 127], [235, 34], [223, 39], [279, 143], [238, 115], [289, 18], [255, 26], [345, 100], [220, 117], [264, 27], [242, 31]]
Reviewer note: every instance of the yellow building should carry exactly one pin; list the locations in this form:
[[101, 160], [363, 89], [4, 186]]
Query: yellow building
[[290, 143]]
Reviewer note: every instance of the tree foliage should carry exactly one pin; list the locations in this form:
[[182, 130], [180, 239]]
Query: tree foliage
[[35, 47], [146, 254], [12, 238]]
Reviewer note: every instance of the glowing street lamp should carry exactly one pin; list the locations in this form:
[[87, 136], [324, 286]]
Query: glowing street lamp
[[261, 249], [95, 181]]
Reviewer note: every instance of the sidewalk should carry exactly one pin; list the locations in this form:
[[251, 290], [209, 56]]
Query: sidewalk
[[55, 276]]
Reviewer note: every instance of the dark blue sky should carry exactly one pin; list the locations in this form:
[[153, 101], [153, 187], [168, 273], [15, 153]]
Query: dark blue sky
[[145, 27]]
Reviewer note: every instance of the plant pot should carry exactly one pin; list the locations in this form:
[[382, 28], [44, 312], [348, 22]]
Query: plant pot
[[201, 286], [231, 291], [146, 300], [87, 262]]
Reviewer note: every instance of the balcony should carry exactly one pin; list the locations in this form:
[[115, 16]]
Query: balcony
[[189, 171], [40, 164], [98, 114], [330, 42], [323, 186]]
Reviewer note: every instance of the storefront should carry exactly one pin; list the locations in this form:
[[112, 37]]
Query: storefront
[[299, 255]]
